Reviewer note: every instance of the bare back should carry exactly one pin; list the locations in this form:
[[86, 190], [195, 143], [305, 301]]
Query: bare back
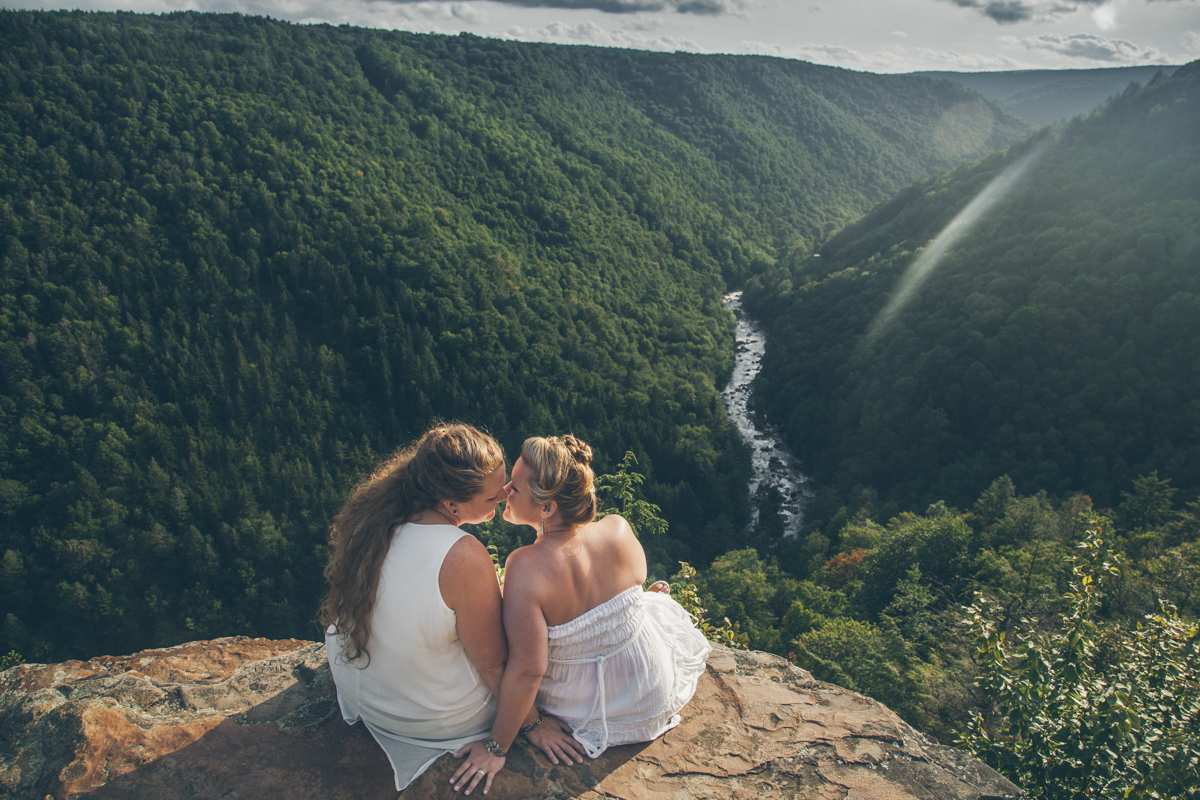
[[569, 577]]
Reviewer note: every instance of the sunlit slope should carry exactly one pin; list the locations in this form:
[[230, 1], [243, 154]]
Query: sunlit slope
[[1056, 342], [242, 259]]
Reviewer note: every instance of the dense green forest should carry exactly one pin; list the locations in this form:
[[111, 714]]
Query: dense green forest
[[1004, 543], [241, 260], [1055, 342]]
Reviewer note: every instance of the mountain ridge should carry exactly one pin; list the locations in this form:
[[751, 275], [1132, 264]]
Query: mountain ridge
[[1047, 96]]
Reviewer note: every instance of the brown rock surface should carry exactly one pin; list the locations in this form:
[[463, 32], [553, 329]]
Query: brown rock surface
[[251, 718]]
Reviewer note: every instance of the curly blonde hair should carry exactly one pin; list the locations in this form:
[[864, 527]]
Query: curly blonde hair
[[562, 472]]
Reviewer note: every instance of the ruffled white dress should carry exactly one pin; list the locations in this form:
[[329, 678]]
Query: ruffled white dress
[[419, 696], [622, 671]]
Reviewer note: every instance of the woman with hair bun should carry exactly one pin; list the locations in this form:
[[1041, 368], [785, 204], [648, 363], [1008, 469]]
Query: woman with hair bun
[[414, 634], [607, 662]]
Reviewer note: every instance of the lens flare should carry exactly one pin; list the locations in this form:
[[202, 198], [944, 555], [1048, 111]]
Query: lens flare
[[920, 270], [1105, 17]]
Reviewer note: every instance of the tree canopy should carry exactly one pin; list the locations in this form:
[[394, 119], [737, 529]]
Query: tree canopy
[[1055, 342], [242, 260]]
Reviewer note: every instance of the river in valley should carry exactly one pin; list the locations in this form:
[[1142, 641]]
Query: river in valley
[[774, 465]]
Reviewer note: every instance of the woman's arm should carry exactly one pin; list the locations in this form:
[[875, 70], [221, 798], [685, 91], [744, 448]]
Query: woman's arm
[[525, 626], [468, 584]]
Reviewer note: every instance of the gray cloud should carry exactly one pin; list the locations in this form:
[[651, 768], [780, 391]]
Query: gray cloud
[[708, 8], [1007, 12], [1096, 48], [1002, 11]]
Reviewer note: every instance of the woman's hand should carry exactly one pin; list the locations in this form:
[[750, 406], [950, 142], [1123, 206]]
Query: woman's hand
[[479, 765], [660, 586], [554, 738]]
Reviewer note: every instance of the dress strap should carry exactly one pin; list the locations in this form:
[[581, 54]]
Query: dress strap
[[601, 663]]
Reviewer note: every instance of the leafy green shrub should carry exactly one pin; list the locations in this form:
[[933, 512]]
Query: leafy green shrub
[[868, 658], [684, 592], [620, 487], [1088, 709]]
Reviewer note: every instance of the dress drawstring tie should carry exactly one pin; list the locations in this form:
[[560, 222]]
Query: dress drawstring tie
[[601, 663]]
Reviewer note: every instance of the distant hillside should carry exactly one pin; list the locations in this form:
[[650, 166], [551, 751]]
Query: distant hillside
[[1056, 341], [240, 260], [1046, 96]]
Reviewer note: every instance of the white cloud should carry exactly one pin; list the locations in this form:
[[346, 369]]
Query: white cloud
[[899, 34], [1091, 47], [593, 34], [897, 59], [835, 55], [711, 8], [426, 16], [1105, 17], [967, 62], [446, 11], [1191, 41]]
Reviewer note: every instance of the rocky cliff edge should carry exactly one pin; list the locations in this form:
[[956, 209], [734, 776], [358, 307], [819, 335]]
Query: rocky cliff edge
[[253, 718]]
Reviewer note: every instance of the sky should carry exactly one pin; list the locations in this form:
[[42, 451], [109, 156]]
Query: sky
[[869, 35]]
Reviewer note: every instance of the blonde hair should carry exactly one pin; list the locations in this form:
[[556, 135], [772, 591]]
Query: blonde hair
[[449, 462], [562, 472]]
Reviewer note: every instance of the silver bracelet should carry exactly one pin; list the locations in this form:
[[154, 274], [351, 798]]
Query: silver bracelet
[[493, 747]]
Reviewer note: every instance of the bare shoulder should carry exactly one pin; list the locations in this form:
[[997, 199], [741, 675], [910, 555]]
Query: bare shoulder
[[464, 572], [617, 546], [524, 567], [614, 525], [615, 533], [466, 552], [526, 573]]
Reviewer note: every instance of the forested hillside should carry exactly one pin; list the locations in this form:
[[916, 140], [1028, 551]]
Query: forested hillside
[[242, 260], [1047, 96], [1056, 342], [1005, 543]]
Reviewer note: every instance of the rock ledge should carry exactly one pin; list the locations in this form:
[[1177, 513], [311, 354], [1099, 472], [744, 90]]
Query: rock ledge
[[250, 718]]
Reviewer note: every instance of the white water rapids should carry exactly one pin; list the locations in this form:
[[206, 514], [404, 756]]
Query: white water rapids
[[774, 465]]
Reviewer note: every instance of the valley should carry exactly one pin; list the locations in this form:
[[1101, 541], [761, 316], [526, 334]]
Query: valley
[[241, 261]]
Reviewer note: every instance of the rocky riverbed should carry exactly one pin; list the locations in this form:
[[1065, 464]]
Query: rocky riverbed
[[775, 467]]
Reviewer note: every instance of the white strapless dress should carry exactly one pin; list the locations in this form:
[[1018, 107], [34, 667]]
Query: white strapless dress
[[622, 671]]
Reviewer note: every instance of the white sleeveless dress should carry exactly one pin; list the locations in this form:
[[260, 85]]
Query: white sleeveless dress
[[622, 671], [420, 696]]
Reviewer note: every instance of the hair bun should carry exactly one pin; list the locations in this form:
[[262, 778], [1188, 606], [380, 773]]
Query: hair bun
[[579, 450]]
